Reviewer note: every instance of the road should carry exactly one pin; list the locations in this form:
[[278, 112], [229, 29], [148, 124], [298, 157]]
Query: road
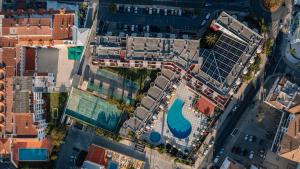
[[219, 5]]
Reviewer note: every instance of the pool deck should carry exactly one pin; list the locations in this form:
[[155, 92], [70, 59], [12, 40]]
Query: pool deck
[[160, 125]]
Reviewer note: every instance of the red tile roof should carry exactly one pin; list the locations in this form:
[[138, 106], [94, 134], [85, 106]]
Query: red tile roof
[[8, 41], [34, 30], [205, 106], [21, 124], [4, 146], [62, 26], [8, 58], [97, 155]]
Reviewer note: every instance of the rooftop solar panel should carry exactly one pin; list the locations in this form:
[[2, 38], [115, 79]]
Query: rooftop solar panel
[[219, 61]]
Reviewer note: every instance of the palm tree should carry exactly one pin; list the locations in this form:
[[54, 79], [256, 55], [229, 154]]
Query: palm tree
[[211, 39]]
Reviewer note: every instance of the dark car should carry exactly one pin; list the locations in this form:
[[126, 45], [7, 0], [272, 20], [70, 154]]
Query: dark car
[[245, 152]]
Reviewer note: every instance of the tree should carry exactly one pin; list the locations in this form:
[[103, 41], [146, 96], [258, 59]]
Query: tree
[[256, 64], [211, 39], [57, 136], [262, 26], [247, 76], [272, 4], [267, 47]]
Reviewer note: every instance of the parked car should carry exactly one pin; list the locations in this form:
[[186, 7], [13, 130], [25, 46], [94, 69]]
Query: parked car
[[179, 12], [250, 138], [150, 11], [246, 137], [245, 152], [251, 154], [208, 4], [207, 16], [216, 159], [135, 10], [203, 22], [166, 11]]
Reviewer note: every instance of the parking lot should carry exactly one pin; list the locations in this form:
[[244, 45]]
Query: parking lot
[[152, 19], [252, 137]]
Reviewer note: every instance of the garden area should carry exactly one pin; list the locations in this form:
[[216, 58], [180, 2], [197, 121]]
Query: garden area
[[55, 104]]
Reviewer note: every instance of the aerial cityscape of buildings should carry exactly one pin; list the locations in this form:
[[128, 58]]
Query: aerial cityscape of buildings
[[154, 84]]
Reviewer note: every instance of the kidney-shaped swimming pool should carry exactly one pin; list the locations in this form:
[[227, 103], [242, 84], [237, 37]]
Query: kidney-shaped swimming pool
[[178, 125]]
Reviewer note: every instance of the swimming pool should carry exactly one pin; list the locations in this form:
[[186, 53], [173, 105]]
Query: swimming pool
[[154, 137], [178, 125], [33, 154]]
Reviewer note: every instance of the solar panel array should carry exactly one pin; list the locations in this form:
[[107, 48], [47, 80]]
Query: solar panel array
[[219, 61]]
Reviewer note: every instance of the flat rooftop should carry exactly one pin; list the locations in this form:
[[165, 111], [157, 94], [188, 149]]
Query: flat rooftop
[[158, 21]]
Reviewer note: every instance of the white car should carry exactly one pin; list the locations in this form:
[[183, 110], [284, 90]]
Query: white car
[[257, 73], [208, 4], [207, 16], [166, 11], [179, 12], [216, 159], [125, 28], [135, 10], [246, 137], [150, 11], [250, 138], [203, 22], [128, 9], [234, 109], [157, 10], [251, 154], [132, 28]]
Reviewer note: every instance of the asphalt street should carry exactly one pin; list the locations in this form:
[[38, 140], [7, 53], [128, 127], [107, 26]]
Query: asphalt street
[[220, 5]]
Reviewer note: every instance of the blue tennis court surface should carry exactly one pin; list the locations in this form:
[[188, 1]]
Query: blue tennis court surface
[[33, 154]]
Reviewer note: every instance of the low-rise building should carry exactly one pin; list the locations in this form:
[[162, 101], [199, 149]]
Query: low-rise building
[[284, 95], [231, 164], [100, 157]]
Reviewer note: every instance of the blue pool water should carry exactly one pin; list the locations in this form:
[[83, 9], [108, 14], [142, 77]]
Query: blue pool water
[[155, 137], [33, 154], [113, 165], [178, 125]]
